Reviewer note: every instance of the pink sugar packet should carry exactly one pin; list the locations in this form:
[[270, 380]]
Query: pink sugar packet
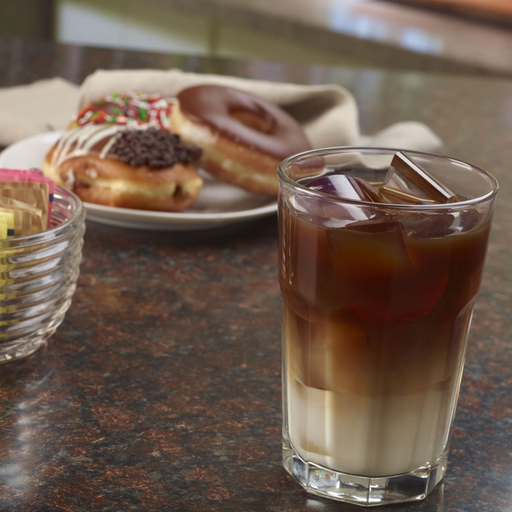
[[18, 175], [31, 176]]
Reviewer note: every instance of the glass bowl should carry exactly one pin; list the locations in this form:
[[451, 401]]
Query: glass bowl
[[38, 276]]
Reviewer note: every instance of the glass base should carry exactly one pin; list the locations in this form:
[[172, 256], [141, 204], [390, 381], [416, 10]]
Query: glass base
[[23, 347], [361, 490]]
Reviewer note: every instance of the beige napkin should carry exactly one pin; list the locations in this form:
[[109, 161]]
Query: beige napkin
[[28, 110], [328, 113], [321, 109]]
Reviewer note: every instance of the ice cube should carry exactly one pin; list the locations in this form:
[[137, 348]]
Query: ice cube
[[325, 212], [307, 277], [372, 249], [377, 273], [371, 191], [428, 225], [328, 355], [398, 190], [467, 220], [400, 196], [341, 185], [396, 182], [411, 172]]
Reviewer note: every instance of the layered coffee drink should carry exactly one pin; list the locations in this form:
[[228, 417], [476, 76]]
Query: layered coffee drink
[[377, 304]]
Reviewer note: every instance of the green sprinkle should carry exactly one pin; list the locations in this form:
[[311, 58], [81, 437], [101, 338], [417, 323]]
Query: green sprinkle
[[117, 110], [143, 115], [95, 115]]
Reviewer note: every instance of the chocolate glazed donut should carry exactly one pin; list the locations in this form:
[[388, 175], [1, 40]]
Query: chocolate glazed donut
[[243, 137]]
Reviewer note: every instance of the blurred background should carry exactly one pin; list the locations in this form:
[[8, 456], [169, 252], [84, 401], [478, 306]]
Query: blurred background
[[447, 36]]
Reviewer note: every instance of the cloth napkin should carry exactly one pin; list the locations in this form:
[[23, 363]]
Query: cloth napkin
[[40, 107], [328, 113]]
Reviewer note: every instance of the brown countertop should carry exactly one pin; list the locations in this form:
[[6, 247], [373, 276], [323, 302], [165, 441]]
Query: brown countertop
[[162, 391]]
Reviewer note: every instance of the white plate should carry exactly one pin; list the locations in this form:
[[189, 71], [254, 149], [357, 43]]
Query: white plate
[[218, 203]]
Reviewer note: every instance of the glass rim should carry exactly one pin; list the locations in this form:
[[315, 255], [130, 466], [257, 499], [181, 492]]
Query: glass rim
[[43, 235], [282, 175]]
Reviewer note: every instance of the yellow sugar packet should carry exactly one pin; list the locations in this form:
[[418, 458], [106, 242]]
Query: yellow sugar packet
[[6, 231], [3, 230], [7, 222], [28, 220], [22, 221]]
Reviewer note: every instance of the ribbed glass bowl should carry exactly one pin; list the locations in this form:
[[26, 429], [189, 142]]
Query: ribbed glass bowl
[[38, 276]]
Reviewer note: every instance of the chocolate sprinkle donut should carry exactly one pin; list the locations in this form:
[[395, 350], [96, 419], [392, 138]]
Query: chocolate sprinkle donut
[[154, 148]]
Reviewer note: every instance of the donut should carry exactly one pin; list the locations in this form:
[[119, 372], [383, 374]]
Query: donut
[[243, 137], [118, 151]]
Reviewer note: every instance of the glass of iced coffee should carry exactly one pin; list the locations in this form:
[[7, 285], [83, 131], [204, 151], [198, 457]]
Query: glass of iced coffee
[[380, 260]]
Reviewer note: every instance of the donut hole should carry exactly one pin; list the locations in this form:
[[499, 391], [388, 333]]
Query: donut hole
[[178, 193], [256, 121]]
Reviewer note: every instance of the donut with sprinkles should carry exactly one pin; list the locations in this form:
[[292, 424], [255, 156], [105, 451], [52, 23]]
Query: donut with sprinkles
[[119, 151]]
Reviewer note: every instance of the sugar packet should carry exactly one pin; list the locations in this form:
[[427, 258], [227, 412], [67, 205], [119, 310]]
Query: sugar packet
[[27, 197], [28, 220], [31, 176], [6, 225]]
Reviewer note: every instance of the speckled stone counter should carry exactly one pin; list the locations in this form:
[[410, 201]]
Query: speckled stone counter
[[161, 391]]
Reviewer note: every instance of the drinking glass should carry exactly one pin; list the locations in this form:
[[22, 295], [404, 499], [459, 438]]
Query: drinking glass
[[377, 305]]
